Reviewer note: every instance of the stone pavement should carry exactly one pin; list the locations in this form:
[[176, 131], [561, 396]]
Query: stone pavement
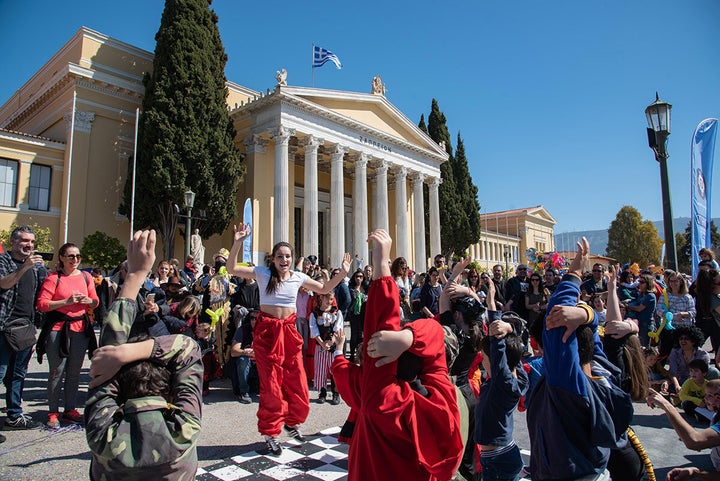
[[229, 429]]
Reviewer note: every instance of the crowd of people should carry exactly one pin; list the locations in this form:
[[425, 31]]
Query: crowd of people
[[435, 365]]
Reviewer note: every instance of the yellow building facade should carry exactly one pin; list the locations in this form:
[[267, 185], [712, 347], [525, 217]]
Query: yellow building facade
[[324, 167]]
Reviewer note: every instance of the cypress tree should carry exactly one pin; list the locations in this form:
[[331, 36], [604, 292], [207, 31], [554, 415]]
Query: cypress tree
[[451, 213], [185, 131], [422, 125], [467, 194]]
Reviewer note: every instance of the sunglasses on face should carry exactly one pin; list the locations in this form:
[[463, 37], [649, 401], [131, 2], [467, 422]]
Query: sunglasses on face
[[73, 256]]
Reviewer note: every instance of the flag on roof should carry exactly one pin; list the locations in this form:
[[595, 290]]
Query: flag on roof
[[321, 56]]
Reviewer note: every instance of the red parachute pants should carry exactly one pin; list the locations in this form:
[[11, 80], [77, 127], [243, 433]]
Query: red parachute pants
[[284, 397]]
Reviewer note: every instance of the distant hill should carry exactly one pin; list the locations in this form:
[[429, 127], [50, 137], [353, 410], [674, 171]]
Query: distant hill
[[599, 238]]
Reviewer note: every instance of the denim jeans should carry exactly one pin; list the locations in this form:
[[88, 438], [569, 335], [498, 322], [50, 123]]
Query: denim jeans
[[67, 368], [503, 467], [242, 370], [13, 368]]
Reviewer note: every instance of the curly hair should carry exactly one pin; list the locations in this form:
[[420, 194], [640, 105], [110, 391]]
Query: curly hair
[[693, 333]]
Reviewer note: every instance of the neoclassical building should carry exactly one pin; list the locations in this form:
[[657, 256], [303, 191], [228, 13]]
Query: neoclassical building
[[324, 167]]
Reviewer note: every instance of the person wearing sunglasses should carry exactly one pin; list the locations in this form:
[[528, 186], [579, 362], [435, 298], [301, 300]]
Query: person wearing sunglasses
[[66, 295]]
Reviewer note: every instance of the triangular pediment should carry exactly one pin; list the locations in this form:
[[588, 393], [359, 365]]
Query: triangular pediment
[[373, 110], [541, 213]]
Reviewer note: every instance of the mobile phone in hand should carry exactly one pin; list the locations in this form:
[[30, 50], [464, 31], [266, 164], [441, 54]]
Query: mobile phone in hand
[[150, 297], [46, 256]]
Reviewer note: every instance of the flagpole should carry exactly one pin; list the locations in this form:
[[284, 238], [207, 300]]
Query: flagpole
[[132, 194], [312, 65]]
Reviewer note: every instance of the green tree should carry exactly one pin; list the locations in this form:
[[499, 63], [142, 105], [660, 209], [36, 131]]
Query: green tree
[[451, 213], [103, 251], [422, 125], [632, 239], [683, 246], [185, 132], [43, 240], [467, 194]]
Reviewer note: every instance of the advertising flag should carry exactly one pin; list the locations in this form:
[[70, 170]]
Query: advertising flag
[[247, 243], [702, 151]]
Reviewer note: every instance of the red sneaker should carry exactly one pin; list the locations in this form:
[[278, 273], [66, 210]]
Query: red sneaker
[[72, 416]]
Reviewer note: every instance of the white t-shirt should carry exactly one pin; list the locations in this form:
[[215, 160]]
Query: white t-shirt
[[285, 294]]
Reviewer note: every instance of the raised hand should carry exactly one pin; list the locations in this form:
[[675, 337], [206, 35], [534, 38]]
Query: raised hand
[[241, 232], [381, 251]]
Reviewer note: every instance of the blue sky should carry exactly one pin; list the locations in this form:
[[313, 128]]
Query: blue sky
[[549, 97]]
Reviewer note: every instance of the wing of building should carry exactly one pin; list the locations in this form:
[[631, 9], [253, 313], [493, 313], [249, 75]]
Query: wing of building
[[324, 167]]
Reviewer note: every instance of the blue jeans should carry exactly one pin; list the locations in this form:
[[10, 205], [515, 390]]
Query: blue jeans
[[503, 467], [13, 368], [242, 370]]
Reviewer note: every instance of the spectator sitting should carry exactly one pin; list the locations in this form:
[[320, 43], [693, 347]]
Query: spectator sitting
[[692, 392]]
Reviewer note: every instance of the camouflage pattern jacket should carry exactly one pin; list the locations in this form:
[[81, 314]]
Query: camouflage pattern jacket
[[146, 438]]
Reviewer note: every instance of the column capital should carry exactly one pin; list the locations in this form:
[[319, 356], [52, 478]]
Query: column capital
[[417, 177], [83, 121], [400, 171], [434, 181], [338, 152], [256, 144], [311, 142], [381, 166], [282, 134]]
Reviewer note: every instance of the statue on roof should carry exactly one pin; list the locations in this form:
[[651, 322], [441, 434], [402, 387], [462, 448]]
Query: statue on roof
[[378, 87], [281, 77]]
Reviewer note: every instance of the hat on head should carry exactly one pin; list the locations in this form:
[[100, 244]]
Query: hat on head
[[224, 253], [312, 259]]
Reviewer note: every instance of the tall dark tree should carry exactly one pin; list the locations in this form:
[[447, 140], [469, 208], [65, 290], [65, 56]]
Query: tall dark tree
[[422, 125], [185, 132], [451, 213], [683, 243], [467, 197], [632, 239]]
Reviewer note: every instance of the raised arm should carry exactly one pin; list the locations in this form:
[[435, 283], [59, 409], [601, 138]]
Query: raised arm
[[319, 288], [240, 233]]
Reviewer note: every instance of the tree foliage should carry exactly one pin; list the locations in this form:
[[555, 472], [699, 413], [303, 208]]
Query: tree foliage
[[43, 240], [185, 132], [103, 251], [450, 208], [469, 230], [632, 239], [421, 124], [683, 247]]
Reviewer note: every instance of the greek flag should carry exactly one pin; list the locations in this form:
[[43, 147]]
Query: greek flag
[[321, 56]]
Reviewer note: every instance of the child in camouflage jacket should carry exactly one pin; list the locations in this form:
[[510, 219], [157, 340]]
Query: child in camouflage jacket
[[147, 426]]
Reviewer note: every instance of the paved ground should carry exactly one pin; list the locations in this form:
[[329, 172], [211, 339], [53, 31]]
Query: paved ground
[[229, 429]]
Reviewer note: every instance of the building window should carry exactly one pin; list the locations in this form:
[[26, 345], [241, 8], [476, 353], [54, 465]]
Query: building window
[[39, 192], [8, 182]]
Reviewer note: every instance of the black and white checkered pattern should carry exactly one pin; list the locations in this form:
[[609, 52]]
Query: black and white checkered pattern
[[321, 458]]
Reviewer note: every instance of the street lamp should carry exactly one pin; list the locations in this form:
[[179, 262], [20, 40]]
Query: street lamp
[[188, 202], [506, 253], [658, 117]]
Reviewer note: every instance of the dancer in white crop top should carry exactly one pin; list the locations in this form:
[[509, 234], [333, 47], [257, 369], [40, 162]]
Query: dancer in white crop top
[[284, 396]]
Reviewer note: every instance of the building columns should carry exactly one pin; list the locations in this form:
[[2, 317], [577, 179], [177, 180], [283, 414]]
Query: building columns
[[310, 207], [402, 242], [420, 261], [380, 217], [281, 211], [360, 204], [337, 206], [434, 205]]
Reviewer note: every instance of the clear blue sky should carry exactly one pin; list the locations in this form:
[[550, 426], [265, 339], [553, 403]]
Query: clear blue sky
[[549, 97]]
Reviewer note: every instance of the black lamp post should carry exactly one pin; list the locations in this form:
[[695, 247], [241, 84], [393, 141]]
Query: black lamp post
[[188, 202], [506, 253], [658, 117]]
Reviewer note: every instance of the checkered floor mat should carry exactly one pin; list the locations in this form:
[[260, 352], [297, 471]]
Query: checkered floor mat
[[321, 457]]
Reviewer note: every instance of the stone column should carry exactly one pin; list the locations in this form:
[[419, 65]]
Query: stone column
[[434, 205], [420, 260], [310, 207], [281, 189], [337, 206], [403, 241], [381, 195], [360, 206]]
